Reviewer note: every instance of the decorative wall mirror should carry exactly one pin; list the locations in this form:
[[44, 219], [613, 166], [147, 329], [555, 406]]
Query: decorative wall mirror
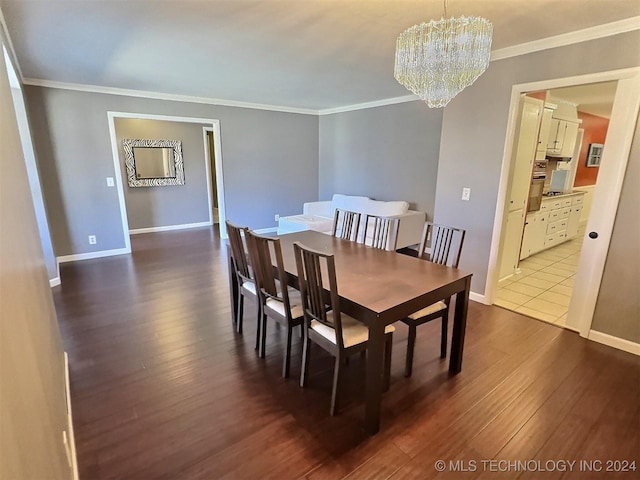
[[153, 163]]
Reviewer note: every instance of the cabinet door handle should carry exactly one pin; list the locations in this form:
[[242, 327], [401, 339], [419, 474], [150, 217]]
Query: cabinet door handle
[[593, 234]]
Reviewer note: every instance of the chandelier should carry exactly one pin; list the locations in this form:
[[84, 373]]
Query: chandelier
[[439, 59]]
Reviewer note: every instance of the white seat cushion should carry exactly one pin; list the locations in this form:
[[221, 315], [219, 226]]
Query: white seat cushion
[[294, 301], [250, 287], [436, 307], [353, 331]]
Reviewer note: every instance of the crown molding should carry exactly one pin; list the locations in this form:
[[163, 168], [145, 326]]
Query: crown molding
[[578, 36], [362, 106], [78, 87]]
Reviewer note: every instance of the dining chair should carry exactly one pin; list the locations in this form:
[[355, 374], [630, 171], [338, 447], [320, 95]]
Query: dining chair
[[245, 280], [324, 324], [345, 224], [443, 245], [277, 300], [381, 232]]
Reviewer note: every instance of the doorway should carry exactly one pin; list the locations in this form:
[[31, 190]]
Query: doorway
[[209, 163], [583, 258], [213, 158]]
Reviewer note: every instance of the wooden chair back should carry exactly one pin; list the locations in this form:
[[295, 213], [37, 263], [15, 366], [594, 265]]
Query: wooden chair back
[[441, 244], [238, 252], [383, 232], [265, 253], [345, 224], [315, 270]]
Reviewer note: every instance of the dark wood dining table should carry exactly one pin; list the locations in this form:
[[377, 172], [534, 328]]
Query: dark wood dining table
[[378, 288]]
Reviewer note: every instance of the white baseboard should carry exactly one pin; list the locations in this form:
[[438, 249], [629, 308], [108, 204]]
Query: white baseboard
[[54, 282], [71, 438], [476, 297], [615, 342], [184, 226], [90, 255], [262, 231]]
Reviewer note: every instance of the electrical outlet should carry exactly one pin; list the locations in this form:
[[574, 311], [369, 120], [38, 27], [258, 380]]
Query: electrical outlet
[[92, 240], [277, 217], [466, 194], [110, 182]]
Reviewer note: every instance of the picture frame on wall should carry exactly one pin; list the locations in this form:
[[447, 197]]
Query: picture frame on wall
[[594, 155]]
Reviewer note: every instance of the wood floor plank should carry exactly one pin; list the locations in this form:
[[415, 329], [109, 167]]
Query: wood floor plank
[[163, 388]]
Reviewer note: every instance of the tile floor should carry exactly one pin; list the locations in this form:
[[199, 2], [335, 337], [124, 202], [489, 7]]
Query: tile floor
[[544, 285]]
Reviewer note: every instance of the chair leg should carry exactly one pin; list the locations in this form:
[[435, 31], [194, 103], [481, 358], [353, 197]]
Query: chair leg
[[387, 361], [443, 339], [263, 339], [258, 328], [287, 353], [408, 367], [240, 312], [304, 373], [336, 383]]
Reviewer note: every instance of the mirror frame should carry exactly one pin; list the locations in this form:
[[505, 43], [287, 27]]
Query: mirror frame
[[129, 143]]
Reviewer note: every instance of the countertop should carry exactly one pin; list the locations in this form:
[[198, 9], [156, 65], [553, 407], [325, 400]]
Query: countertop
[[545, 197]]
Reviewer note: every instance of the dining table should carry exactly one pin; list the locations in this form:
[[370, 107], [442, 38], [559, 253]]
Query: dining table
[[378, 288]]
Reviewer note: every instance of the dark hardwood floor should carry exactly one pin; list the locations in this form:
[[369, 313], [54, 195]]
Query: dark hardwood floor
[[162, 387]]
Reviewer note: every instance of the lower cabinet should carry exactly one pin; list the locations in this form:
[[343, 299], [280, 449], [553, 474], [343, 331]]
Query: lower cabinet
[[557, 220]]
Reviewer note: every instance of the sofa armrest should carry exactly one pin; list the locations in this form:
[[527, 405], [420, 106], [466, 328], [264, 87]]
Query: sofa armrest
[[410, 228], [322, 209]]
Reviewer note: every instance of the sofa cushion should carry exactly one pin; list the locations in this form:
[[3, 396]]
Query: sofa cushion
[[352, 203], [386, 209]]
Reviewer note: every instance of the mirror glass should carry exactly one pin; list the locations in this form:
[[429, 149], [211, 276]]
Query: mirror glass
[[154, 162]]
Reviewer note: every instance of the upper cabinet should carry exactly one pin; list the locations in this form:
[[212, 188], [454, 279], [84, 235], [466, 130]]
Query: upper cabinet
[[562, 137], [543, 135]]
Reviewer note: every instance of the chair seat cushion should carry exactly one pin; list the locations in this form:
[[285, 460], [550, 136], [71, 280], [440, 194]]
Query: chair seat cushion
[[436, 307], [295, 302], [353, 331], [249, 287]]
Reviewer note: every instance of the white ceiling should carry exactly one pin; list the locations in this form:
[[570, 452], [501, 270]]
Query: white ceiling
[[593, 98], [309, 54]]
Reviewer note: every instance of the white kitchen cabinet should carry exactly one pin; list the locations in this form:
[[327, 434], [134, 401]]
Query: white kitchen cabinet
[[543, 135], [573, 222], [512, 241], [557, 220], [526, 141], [569, 141], [535, 231], [562, 137]]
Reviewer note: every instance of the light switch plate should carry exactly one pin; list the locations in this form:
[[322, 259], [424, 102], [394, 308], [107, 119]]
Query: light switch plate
[[466, 194], [110, 182]]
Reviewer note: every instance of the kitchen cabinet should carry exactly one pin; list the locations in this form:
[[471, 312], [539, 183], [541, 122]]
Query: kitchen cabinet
[[512, 239], [557, 221], [562, 137], [526, 140], [543, 135], [535, 231]]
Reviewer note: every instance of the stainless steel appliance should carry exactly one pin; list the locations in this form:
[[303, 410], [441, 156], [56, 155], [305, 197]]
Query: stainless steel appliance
[[537, 186]]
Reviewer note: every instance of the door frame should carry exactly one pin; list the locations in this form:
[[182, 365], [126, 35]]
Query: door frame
[[215, 164], [606, 194], [214, 124]]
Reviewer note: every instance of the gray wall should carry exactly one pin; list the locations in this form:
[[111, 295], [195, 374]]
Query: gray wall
[[270, 162], [32, 398], [618, 308], [34, 183], [386, 153], [173, 204], [474, 134]]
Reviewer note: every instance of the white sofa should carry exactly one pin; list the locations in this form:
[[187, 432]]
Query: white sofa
[[319, 216]]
